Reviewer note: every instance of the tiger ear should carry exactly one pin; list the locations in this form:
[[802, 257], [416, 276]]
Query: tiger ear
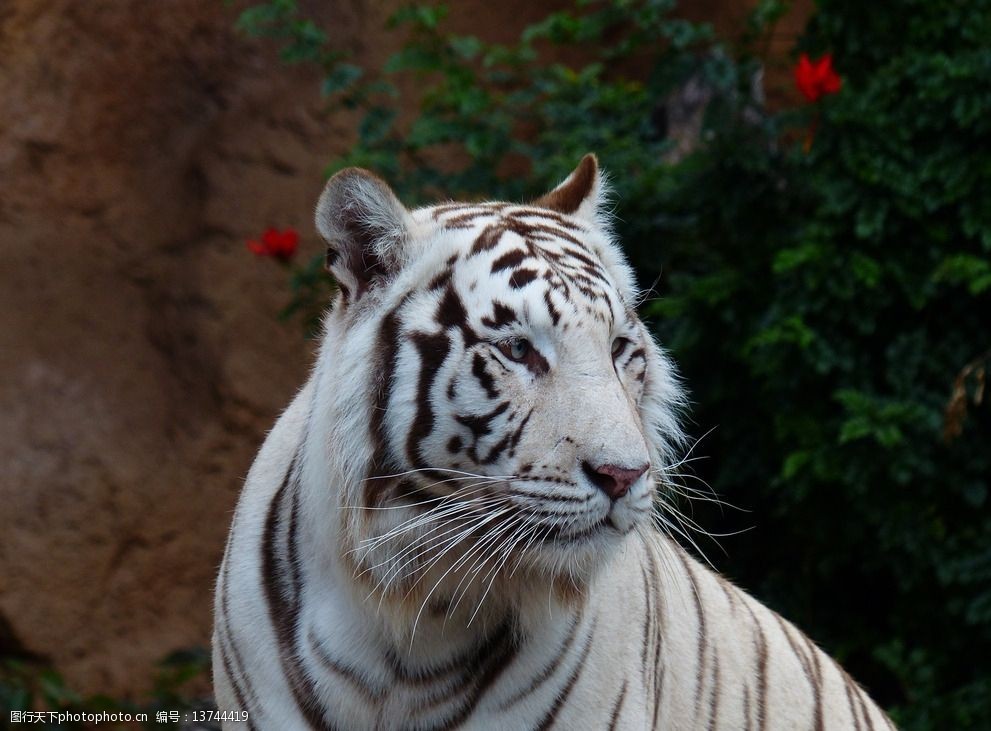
[[581, 194], [366, 229]]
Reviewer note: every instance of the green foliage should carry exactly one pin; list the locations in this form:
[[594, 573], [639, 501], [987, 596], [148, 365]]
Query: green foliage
[[824, 301]]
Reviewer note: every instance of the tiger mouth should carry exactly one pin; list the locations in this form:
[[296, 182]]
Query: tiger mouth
[[560, 535]]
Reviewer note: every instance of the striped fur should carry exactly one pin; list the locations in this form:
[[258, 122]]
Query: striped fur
[[449, 528]]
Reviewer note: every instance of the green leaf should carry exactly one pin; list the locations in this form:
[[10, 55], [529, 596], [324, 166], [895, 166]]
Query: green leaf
[[340, 78]]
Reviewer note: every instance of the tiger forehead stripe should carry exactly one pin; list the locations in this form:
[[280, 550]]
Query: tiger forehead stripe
[[529, 244]]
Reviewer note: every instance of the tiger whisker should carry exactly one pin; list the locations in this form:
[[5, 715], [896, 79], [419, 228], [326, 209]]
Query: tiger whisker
[[439, 516], [406, 506], [505, 529], [479, 563], [453, 497], [449, 545], [454, 494], [455, 514], [690, 493], [425, 539], [478, 546], [427, 543], [466, 530], [666, 526], [438, 469], [429, 516], [430, 593], [507, 551], [439, 519], [529, 534]]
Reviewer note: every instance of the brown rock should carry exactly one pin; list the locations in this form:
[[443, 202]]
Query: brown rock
[[141, 360]]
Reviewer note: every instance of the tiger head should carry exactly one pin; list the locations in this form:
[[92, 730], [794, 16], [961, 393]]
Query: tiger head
[[493, 405]]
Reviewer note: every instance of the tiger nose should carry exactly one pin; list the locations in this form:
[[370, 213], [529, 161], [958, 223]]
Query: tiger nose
[[612, 479]]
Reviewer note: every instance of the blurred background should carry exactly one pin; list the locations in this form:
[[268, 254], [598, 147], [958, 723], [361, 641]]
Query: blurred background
[[804, 188]]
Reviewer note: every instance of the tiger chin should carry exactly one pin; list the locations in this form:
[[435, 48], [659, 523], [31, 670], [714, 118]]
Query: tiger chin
[[451, 526]]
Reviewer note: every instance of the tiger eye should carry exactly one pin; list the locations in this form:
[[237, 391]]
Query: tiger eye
[[516, 349]]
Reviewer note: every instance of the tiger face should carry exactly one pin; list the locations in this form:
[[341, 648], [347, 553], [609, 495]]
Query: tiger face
[[520, 412]]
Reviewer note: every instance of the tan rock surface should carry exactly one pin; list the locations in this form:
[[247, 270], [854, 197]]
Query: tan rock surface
[[140, 358]]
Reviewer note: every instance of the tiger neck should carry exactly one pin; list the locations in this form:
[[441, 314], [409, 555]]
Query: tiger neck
[[415, 633], [428, 629]]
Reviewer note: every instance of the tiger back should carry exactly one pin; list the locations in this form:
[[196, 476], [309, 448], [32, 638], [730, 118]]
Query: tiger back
[[453, 523]]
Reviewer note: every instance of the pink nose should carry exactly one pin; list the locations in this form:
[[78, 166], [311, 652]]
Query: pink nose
[[612, 479]]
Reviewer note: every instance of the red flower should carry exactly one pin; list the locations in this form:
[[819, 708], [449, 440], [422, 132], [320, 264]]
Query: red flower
[[817, 78], [280, 244]]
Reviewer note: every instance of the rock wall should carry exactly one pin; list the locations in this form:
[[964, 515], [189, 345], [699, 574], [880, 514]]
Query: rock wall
[[141, 362]]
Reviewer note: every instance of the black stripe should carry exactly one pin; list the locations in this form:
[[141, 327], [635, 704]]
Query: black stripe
[[817, 674], [557, 498], [548, 669], [714, 696], [728, 591], [480, 426], [465, 220], [246, 695], [574, 253], [548, 720], [553, 216], [502, 315], [518, 434], [551, 309], [441, 280], [488, 239], [617, 706], [238, 692], [292, 547], [451, 313], [648, 611], [449, 207], [480, 671], [433, 349], [284, 607], [865, 709], [540, 232], [746, 704], [806, 669], [762, 661], [847, 682], [484, 378], [497, 450], [509, 260], [522, 277], [500, 657], [386, 352], [702, 639], [760, 644], [346, 671], [657, 618]]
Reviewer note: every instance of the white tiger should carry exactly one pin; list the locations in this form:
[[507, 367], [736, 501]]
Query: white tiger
[[450, 526]]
